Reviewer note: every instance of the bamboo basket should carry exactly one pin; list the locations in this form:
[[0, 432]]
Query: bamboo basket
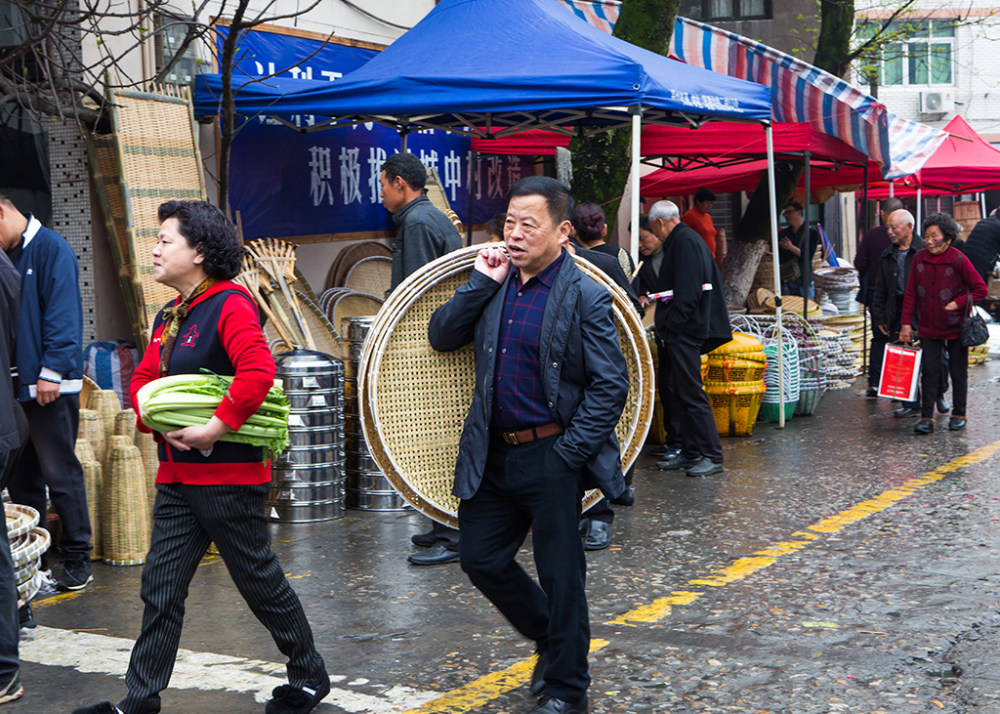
[[150, 463], [106, 403], [84, 451], [92, 483], [125, 423], [92, 429], [127, 528]]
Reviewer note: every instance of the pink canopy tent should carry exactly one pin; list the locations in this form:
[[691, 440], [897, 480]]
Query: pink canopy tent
[[964, 163]]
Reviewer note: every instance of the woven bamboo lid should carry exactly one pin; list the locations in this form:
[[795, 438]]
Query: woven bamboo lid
[[414, 400]]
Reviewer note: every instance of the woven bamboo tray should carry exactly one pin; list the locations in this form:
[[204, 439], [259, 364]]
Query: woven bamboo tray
[[346, 259], [352, 304], [20, 520], [372, 276], [413, 400]]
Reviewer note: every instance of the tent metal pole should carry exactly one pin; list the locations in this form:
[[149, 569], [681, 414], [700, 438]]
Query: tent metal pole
[[982, 204], [633, 247], [864, 291], [473, 165], [806, 257], [772, 197], [920, 209]]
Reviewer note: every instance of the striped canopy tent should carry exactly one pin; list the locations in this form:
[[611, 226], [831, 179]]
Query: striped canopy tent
[[803, 93]]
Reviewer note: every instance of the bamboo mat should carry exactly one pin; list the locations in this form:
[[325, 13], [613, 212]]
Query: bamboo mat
[[150, 157]]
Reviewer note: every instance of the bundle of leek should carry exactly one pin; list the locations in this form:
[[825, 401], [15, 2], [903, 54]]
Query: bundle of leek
[[184, 400]]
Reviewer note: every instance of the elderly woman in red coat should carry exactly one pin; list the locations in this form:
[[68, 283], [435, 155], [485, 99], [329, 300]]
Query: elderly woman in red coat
[[942, 288]]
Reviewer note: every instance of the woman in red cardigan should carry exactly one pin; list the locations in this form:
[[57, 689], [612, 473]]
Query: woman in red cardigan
[[209, 490], [942, 288]]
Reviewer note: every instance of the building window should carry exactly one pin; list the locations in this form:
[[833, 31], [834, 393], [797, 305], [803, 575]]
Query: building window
[[921, 52], [168, 41], [708, 10]]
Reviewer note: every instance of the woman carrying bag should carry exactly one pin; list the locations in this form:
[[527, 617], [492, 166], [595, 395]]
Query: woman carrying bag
[[941, 291]]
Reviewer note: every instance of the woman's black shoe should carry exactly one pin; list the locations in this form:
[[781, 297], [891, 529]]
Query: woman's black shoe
[[924, 426], [956, 423]]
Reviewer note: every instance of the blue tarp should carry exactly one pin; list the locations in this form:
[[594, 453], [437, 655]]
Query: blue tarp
[[478, 62]]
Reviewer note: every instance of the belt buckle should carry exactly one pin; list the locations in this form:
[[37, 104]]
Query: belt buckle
[[510, 437]]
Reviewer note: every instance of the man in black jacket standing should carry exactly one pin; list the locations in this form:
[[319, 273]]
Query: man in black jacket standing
[[693, 320], [892, 272], [423, 234], [550, 386]]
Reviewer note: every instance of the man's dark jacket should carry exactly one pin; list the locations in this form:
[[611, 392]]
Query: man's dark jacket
[[583, 373], [13, 424], [423, 234], [983, 245], [886, 306], [693, 311]]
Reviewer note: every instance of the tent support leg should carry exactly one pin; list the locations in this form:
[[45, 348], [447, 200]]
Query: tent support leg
[[633, 247], [772, 197], [806, 256], [473, 165]]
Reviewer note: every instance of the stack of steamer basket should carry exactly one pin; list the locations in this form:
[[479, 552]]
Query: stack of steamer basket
[[307, 479], [413, 400], [734, 381], [367, 487]]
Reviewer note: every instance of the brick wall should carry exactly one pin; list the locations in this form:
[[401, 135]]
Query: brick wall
[[71, 208]]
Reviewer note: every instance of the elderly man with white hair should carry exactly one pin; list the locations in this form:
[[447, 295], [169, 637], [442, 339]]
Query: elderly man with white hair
[[691, 320]]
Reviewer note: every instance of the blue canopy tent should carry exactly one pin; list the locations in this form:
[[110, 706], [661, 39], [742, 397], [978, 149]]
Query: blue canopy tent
[[547, 68]]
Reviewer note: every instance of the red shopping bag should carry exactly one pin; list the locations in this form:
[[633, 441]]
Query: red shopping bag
[[900, 372]]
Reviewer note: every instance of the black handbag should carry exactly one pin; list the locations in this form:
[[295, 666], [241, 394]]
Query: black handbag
[[974, 329]]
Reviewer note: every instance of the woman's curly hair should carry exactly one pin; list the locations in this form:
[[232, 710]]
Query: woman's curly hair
[[207, 230]]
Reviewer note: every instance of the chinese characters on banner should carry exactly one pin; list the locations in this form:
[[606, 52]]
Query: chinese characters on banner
[[286, 183]]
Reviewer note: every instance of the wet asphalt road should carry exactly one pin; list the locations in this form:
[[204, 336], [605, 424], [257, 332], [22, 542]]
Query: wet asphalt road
[[840, 565]]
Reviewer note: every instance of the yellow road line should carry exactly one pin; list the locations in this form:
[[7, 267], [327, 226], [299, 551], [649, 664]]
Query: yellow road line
[[491, 686], [486, 689]]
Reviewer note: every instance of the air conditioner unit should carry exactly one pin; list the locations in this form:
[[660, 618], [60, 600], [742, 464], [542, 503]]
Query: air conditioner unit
[[938, 102]]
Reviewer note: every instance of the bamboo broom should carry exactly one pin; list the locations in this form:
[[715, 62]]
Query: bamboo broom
[[277, 259], [250, 278]]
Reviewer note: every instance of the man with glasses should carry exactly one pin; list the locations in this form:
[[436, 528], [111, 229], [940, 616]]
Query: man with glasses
[[790, 243]]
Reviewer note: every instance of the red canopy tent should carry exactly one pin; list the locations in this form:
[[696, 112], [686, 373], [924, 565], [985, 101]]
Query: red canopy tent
[[746, 177], [715, 143]]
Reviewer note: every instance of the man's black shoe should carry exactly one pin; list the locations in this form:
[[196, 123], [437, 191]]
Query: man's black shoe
[[906, 413], [25, 616], [678, 462], [943, 406], [538, 673], [627, 497], [871, 392], [424, 540], [437, 554], [598, 536], [551, 705], [77, 574]]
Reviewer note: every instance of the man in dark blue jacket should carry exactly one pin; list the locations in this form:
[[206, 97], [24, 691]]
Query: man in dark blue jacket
[[550, 386], [49, 379]]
